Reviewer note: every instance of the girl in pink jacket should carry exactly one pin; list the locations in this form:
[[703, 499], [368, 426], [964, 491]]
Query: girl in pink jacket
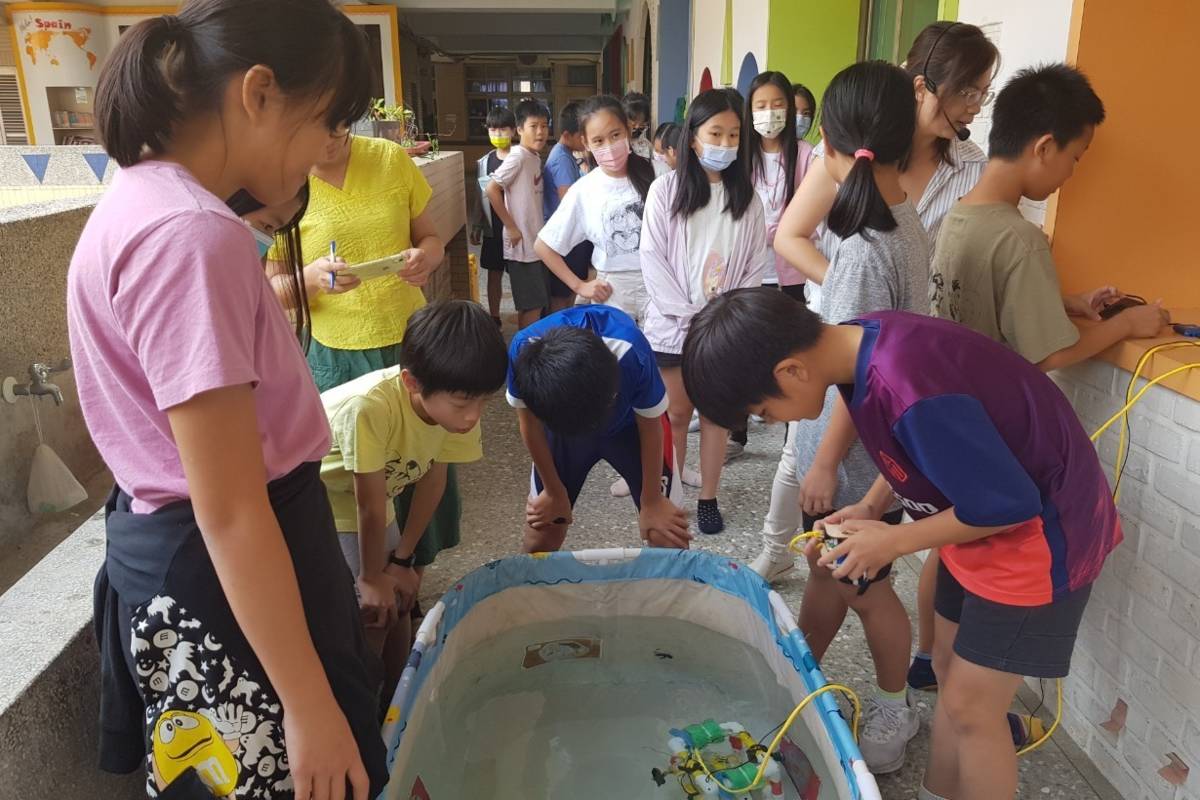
[[703, 233]]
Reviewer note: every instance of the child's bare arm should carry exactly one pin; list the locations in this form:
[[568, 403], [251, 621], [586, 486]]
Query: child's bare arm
[[427, 493], [534, 436], [819, 485], [495, 193], [1137, 322]]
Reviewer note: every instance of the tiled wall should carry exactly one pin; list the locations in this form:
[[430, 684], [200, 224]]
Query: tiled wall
[[1133, 696]]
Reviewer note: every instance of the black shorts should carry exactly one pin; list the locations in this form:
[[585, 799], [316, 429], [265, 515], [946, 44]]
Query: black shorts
[[891, 518], [668, 360], [1035, 641], [491, 255], [795, 291], [580, 261]]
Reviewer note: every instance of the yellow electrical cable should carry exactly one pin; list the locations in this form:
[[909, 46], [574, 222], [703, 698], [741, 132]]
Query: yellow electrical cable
[[1122, 453], [1029, 748], [1138, 396], [762, 765], [800, 537]]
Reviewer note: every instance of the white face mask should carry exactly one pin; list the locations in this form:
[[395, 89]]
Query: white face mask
[[769, 122]]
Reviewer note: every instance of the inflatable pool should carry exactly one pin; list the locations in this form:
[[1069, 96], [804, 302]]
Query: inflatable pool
[[605, 674]]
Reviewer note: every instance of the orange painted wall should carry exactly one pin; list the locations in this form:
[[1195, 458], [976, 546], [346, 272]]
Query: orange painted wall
[[1130, 214]]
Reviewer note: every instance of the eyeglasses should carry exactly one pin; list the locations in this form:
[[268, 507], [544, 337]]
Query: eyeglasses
[[977, 97]]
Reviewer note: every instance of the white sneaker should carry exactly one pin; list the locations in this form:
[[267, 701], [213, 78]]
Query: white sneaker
[[770, 566], [886, 730], [734, 450], [620, 488], [690, 477], [694, 425]]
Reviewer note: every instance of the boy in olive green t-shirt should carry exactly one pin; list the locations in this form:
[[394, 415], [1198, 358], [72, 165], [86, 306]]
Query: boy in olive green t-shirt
[[992, 269], [399, 427]]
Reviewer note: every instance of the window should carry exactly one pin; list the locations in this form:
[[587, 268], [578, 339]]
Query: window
[[581, 75], [500, 85], [12, 113], [893, 24]]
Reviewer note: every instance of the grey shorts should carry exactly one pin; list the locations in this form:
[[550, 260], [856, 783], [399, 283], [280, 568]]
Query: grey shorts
[[530, 282], [349, 543]]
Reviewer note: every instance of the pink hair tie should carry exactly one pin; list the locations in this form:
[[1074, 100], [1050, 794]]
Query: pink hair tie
[[863, 152]]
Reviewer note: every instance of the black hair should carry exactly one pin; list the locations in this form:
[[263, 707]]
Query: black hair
[[806, 93], [868, 106], [568, 379], [693, 192], [668, 134], [636, 104], [752, 149], [501, 117], [639, 169], [167, 68], [454, 346], [1052, 98], [803, 91], [531, 108], [951, 54], [568, 118], [734, 345], [287, 240]]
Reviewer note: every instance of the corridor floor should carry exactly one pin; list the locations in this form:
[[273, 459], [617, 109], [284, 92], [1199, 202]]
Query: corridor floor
[[493, 494]]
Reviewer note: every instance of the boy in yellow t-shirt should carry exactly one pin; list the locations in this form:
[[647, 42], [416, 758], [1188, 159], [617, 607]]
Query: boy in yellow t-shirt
[[399, 427]]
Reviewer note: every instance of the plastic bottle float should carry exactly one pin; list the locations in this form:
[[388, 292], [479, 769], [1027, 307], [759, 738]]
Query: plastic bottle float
[[707, 774]]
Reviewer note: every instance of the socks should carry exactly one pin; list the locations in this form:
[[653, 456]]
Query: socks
[[708, 517], [894, 699]]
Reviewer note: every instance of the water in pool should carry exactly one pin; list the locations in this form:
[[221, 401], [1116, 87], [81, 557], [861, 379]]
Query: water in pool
[[582, 710]]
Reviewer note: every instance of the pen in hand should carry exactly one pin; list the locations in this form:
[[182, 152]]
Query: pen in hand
[[332, 259]]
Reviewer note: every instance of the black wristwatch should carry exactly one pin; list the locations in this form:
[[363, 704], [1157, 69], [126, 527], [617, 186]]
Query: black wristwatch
[[402, 562]]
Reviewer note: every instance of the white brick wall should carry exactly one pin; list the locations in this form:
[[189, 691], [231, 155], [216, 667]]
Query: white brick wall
[[1140, 637]]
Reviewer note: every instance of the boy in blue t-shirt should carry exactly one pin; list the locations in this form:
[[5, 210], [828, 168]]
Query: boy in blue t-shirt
[[560, 173], [586, 388], [988, 457]]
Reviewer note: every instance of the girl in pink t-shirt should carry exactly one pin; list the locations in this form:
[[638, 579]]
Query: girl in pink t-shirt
[[233, 657]]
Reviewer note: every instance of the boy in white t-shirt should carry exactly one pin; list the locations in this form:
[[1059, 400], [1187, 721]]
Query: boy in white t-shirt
[[516, 196]]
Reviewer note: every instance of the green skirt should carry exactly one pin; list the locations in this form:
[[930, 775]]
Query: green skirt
[[332, 367]]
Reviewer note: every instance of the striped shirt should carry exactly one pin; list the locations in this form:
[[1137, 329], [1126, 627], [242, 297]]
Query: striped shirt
[[950, 181], [945, 188]]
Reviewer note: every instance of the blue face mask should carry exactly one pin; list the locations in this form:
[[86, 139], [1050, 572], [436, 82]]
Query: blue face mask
[[263, 240], [803, 125], [717, 158]]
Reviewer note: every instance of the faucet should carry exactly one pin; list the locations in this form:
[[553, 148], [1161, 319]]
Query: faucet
[[39, 384]]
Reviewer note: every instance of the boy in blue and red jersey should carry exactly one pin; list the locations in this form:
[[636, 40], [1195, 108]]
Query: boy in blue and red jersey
[[989, 459]]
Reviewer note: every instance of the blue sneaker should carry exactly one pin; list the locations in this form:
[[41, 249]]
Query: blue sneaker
[[921, 676]]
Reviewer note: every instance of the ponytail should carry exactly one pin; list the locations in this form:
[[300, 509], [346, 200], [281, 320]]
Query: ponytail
[[165, 69], [869, 110], [136, 106], [641, 173], [859, 206]]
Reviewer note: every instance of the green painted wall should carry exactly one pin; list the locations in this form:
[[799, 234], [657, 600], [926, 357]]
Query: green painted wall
[[810, 41]]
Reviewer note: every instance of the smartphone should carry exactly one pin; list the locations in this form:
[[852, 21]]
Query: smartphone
[[370, 270]]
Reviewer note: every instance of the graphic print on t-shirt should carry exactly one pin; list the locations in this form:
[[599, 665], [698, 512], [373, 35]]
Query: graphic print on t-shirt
[[714, 270], [623, 227], [940, 302], [402, 473]]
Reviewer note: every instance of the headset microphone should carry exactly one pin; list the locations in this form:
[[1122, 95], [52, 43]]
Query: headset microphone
[[962, 133]]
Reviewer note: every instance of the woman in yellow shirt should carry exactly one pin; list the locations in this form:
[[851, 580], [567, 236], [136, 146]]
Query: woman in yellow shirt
[[368, 196]]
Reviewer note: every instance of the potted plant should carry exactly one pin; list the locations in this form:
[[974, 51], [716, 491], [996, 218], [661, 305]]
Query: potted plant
[[398, 124]]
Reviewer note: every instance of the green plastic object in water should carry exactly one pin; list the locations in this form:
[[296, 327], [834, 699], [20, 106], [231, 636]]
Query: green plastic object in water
[[704, 734], [738, 778]]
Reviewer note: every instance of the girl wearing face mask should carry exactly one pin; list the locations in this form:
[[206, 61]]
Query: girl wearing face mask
[[603, 207], [704, 233], [806, 109], [778, 161], [278, 226]]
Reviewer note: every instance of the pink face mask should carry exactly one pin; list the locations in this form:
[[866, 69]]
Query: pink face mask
[[613, 157]]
